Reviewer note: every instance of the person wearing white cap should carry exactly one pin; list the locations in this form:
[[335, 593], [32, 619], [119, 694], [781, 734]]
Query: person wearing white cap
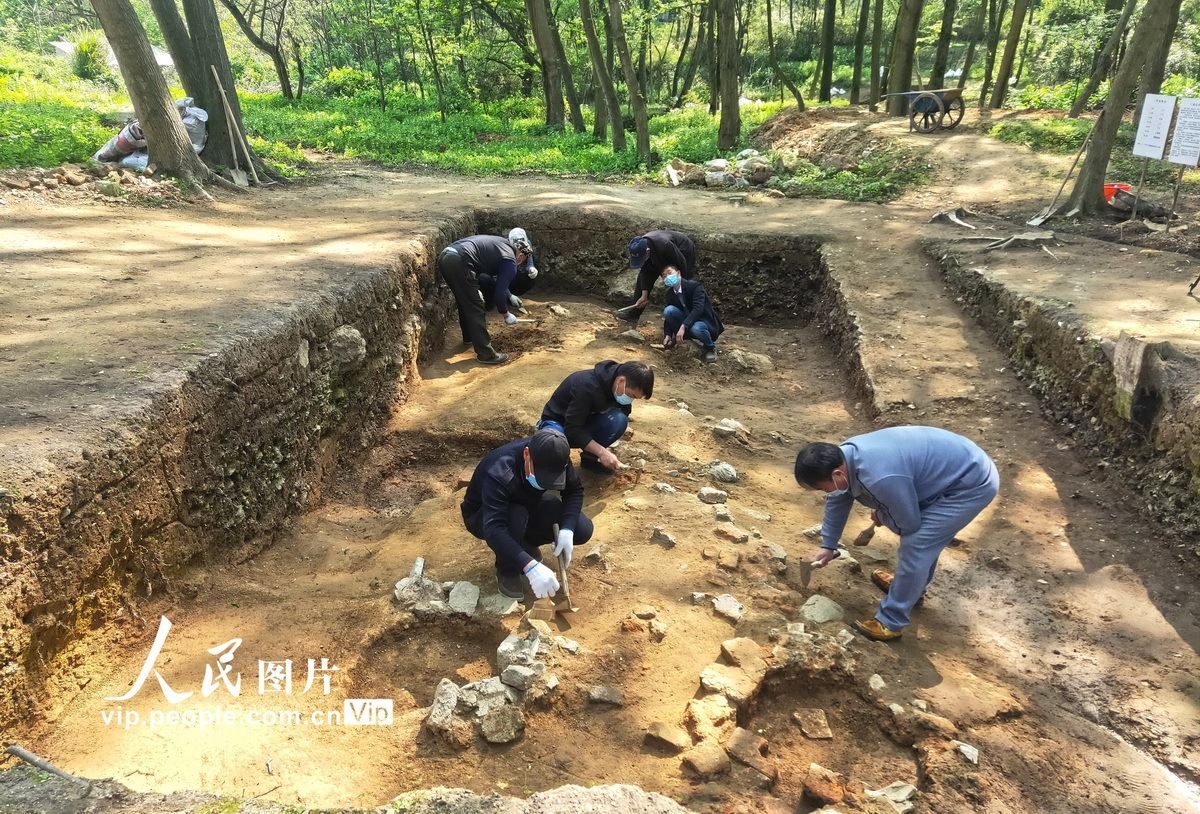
[[527, 272], [462, 264]]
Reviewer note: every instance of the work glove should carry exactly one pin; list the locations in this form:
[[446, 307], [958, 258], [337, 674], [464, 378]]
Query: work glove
[[510, 318], [564, 546], [532, 272], [541, 580]]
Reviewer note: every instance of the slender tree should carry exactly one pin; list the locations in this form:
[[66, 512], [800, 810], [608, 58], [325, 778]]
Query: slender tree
[[604, 79], [901, 67], [543, 38], [263, 23], [574, 110], [828, 23], [937, 74], [731, 113], [773, 55], [677, 74], [641, 119], [860, 39], [1156, 60], [974, 37], [1103, 59], [996, 12], [1000, 89], [876, 53]]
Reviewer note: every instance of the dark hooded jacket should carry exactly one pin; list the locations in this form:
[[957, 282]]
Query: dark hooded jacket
[[580, 395]]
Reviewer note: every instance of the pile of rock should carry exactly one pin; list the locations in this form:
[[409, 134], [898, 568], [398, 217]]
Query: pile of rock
[[750, 168], [428, 599], [94, 178], [495, 705]]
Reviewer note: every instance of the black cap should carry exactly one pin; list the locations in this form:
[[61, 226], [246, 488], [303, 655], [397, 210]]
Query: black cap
[[639, 252], [550, 453]]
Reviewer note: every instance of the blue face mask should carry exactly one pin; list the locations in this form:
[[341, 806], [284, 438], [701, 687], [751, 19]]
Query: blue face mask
[[623, 398], [837, 492], [532, 481], [671, 280]]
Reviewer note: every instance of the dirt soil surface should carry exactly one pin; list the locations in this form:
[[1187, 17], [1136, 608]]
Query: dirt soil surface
[[1061, 637]]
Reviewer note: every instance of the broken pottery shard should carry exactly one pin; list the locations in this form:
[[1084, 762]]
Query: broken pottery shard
[[723, 472], [813, 723], [464, 596], [503, 725], [746, 747], [820, 609], [710, 495], [727, 606], [823, 785], [675, 737], [606, 695], [707, 759], [729, 560]]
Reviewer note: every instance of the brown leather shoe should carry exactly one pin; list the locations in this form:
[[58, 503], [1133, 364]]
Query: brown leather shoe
[[882, 579], [876, 632]]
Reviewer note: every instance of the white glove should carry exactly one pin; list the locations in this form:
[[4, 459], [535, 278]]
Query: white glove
[[531, 272], [565, 545], [510, 318], [542, 580]]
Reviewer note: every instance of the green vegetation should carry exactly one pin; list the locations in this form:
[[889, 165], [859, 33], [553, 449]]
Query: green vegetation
[[89, 60], [881, 177]]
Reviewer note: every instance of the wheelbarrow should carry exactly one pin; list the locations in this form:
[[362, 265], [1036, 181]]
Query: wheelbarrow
[[930, 110]]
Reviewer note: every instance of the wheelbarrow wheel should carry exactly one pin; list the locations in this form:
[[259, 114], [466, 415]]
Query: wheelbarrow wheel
[[925, 112], [954, 113]]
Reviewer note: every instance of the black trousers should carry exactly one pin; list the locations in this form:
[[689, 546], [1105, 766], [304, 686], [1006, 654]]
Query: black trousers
[[472, 315], [487, 284], [531, 529]]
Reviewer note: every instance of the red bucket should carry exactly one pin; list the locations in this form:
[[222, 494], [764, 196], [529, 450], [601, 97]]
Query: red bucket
[[1111, 189]]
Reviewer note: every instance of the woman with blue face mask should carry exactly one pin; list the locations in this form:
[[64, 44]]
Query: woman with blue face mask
[[592, 407]]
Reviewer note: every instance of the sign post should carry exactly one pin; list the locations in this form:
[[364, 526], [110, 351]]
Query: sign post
[[1185, 145], [1151, 141]]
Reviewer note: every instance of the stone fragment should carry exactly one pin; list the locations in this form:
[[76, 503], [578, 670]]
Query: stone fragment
[[707, 760], [485, 696], [732, 533], [876, 682], [606, 695], [796, 629], [502, 725], [746, 654], [521, 677], [347, 347], [710, 552], [675, 737], [662, 538], [746, 747], [658, 630], [732, 682], [698, 597], [464, 597], [896, 792], [730, 428], [824, 786], [497, 605], [813, 723], [711, 717], [570, 645], [812, 532], [716, 165], [559, 311], [708, 494], [445, 702], [820, 609], [517, 650], [721, 514], [759, 515], [664, 488], [645, 612], [723, 472], [968, 751], [729, 560], [751, 362], [936, 723], [725, 605], [631, 334]]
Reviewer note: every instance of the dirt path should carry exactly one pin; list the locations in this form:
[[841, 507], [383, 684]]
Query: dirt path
[[1028, 640]]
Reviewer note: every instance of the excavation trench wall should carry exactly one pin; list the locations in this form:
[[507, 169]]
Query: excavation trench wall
[[242, 442], [1071, 371]]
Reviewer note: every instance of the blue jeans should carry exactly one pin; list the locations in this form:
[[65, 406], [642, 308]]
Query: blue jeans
[[605, 427], [700, 331]]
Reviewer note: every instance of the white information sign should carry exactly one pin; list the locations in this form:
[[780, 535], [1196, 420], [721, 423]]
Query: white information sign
[[1185, 144], [1152, 130]]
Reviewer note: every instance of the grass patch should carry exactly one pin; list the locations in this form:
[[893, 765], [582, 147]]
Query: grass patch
[[878, 178]]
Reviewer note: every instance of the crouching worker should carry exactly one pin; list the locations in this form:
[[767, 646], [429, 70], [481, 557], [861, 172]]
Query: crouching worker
[[591, 407], [689, 314], [923, 483], [461, 264], [516, 495], [522, 284]]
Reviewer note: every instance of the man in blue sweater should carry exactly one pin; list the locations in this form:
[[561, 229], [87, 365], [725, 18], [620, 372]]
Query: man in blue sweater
[[923, 483], [517, 494]]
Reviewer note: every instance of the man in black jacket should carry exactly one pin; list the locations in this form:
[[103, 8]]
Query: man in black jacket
[[690, 314], [650, 254], [516, 495], [591, 407], [461, 263]]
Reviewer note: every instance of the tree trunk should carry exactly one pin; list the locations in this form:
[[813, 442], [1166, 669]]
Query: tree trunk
[[901, 67], [208, 43], [975, 35], [677, 74], [273, 50], [599, 110], [1103, 60], [641, 121], [1025, 47], [431, 53], [996, 20], [194, 77], [604, 81], [860, 41], [1156, 60], [937, 75], [170, 150], [1000, 89], [730, 127], [714, 61], [1087, 196], [699, 54], [299, 65], [573, 107], [876, 53], [773, 55], [539, 19], [827, 27]]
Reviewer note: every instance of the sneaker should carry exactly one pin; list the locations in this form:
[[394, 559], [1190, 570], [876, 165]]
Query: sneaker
[[510, 585], [709, 356], [876, 632], [494, 359]]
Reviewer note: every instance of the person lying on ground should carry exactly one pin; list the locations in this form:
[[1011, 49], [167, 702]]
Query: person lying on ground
[[522, 284], [592, 407], [516, 495], [461, 264], [690, 314], [650, 254], [925, 484]]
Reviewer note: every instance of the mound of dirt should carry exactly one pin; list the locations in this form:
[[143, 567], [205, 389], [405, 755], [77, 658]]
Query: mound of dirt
[[837, 136]]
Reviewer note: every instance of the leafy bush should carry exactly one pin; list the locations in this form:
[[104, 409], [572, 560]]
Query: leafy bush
[[1048, 135], [1054, 97], [89, 60], [880, 177], [345, 83]]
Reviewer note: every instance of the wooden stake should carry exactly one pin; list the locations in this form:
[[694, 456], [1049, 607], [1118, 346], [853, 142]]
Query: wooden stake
[[1174, 200], [234, 129], [1137, 196]]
